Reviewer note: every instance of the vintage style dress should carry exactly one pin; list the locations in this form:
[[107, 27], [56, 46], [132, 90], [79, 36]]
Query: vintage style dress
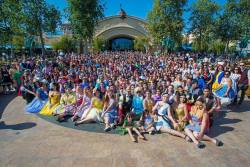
[[95, 111], [38, 102], [179, 115], [52, 104], [67, 104]]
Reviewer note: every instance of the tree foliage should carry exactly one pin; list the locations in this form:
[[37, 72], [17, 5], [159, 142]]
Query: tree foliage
[[203, 16], [83, 17], [40, 17], [11, 16], [165, 20], [141, 44], [99, 44], [65, 43]]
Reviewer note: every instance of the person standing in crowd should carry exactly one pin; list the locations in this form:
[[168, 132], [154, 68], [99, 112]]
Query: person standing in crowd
[[195, 90], [243, 82], [227, 89]]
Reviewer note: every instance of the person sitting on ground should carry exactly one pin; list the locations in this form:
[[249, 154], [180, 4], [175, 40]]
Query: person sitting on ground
[[125, 105], [180, 112], [40, 100], [86, 100], [93, 113], [131, 126], [109, 112], [67, 104], [212, 104], [164, 118], [147, 122], [198, 125], [53, 102]]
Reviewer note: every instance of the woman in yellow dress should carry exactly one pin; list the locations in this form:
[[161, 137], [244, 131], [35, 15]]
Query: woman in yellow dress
[[67, 104], [93, 113], [180, 113], [148, 102], [54, 101]]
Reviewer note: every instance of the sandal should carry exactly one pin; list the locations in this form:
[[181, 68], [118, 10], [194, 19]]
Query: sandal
[[201, 145], [76, 124], [218, 143], [107, 129]]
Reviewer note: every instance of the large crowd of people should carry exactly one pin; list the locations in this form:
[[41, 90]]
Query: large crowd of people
[[134, 92]]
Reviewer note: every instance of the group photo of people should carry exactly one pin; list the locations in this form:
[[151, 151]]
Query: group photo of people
[[133, 93]]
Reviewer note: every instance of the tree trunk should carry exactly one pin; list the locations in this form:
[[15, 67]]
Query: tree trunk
[[11, 50], [226, 48], [200, 41], [42, 41], [85, 49], [80, 49]]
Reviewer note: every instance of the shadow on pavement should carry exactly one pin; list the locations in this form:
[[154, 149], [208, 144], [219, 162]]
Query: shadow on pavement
[[20, 126], [244, 107], [220, 124], [4, 101]]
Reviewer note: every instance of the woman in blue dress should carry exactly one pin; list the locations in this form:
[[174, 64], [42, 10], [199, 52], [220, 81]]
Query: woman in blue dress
[[164, 118], [40, 100], [137, 104]]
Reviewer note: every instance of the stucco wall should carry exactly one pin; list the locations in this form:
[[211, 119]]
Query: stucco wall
[[114, 26]]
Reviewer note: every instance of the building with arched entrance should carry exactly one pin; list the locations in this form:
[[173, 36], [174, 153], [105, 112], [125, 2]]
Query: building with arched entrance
[[118, 31]]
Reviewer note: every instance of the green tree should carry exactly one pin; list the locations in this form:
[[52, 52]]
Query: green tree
[[65, 43], [243, 14], [10, 21], [203, 16], [99, 44], [83, 17], [141, 44], [40, 17], [18, 42], [217, 46], [165, 20], [227, 25]]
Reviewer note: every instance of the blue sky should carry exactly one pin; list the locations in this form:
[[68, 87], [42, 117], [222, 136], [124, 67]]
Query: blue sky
[[138, 8]]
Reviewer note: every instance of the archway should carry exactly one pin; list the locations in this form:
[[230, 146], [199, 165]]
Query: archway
[[120, 32], [121, 43]]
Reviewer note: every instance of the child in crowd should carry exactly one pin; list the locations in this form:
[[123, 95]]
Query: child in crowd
[[130, 126]]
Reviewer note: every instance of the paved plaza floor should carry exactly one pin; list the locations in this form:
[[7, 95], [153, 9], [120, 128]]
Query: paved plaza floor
[[27, 140]]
